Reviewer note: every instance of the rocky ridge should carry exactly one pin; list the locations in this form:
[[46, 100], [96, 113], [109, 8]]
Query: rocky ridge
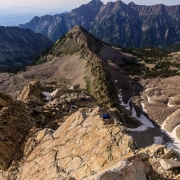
[[97, 55], [15, 123], [77, 58], [127, 25]]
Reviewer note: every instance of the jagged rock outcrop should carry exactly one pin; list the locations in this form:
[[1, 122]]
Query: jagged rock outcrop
[[49, 108], [169, 164], [127, 25], [32, 90], [133, 168], [19, 46], [79, 145], [82, 146], [14, 124]]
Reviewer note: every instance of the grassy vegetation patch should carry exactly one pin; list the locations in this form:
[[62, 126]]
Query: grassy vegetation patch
[[154, 62], [88, 84]]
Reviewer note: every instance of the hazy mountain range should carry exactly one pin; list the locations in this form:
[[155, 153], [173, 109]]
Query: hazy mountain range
[[127, 25], [18, 46], [14, 17]]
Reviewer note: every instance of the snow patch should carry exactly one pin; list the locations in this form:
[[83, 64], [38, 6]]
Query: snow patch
[[147, 89], [149, 99], [122, 102], [47, 94], [175, 144], [143, 107], [170, 105], [146, 123], [158, 140]]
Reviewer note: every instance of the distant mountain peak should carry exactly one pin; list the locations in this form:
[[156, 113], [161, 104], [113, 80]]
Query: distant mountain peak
[[128, 26], [77, 27], [131, 3]]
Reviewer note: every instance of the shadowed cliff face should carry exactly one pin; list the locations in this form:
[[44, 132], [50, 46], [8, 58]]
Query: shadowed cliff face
[[18, 46], [14, 124], [116, 23]]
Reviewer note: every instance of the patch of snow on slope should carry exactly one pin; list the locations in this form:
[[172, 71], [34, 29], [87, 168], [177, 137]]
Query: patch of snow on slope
[[143, 107], [146, 123], [149, 99], [122, 102], [170, 105], [47, 94], [175, 144], [158, 140]]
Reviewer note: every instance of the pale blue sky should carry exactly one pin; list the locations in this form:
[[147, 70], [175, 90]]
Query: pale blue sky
[[15, 12], [64, 5]]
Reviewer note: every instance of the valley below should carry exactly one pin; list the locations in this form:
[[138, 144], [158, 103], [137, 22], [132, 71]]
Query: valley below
[[157, 108]]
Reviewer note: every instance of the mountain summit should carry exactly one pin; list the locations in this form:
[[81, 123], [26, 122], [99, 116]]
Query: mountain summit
[[91, 59]]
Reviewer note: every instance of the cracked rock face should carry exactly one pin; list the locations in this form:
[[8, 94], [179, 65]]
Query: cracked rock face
[[84, 148], [32, 90], [81, 147], [125, 170], [14, 123]]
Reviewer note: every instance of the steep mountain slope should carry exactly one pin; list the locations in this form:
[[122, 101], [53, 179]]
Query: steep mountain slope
[[18, 46], [89, 63], [65, 136], [80, 58], [173, 48], [116, 23]]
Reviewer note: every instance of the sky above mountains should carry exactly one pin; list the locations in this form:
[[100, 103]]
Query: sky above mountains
[[69, 4], [14, 12]]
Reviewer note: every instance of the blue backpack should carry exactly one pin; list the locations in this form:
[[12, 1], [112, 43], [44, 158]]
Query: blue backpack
[[106, 116]]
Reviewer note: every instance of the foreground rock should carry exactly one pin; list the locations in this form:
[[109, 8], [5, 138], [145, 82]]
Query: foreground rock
[[133, 168], [31, 91], [82, 146], [169, 164], [14, 124], [79, 146]]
